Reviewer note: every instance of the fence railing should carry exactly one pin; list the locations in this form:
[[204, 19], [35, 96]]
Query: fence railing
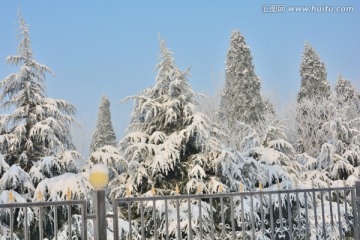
[[327, 213], [30, 207]]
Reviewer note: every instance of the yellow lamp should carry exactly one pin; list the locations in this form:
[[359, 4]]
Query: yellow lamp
[[99, 176]]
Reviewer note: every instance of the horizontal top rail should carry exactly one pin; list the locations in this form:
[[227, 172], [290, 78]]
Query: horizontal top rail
[[42, 204], [229, 194]]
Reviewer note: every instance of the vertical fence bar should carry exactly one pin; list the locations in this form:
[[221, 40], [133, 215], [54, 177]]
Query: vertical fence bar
[[115, 220], [84, 220], [298, 214], [323, 214], [155, 222], [200, 220], [346, 208], [166, 220], [354, 206], [331, 210], [26, 230], [142, 220], [280, 213], [55, 223], [307, 225], [252, 217], [178, 219], [271, 217], [289, 216], [222, 217], [262, 215], [243, 216], [232, 218], [11, 224], [339, 213], [69, 220], [41, 232], [129, 219], [212, 219], [315, 212], [189, 216]]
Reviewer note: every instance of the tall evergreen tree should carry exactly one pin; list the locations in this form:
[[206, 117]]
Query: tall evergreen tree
[[347, 97], [312, 102], [39, 126], [314, 83], [168, 139], [104, 133], [169, 143], [241, 99]]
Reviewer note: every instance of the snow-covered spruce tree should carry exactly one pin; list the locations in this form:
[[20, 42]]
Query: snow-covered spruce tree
[[169, 143], [313, 97], [314, 81], [241, 99], [347, 97], [104, 133], [38, 126], [35, 138]]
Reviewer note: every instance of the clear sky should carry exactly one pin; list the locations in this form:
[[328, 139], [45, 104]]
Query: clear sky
[[111, 47]]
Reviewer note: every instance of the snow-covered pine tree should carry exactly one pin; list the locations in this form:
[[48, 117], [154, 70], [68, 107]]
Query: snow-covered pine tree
[[241, 99], [313, 101], [347, 97], [272, 155], [169, 143], [340, 155], [38, 126], [314, 83], [311, 114], [104, 133]]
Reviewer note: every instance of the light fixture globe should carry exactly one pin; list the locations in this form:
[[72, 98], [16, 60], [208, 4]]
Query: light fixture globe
[[99, 176]]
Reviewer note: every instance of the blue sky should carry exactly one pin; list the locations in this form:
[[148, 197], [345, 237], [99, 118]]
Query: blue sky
[[111, 47]]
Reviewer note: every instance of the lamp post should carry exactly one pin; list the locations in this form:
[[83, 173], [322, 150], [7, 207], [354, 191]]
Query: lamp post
[[99, 178]]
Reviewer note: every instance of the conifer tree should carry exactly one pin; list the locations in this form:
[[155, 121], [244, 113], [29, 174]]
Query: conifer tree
[[104, 133], [169, 144], [347, 97], [39, 126], [167, 136], [241, 99], [314, 83], [312, 102]]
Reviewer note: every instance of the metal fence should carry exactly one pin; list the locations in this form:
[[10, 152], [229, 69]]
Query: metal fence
[[328, 213], [37, 210]]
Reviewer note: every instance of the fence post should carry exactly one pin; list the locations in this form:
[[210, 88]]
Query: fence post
[[357, 208], [99, 178], [100, 225]]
